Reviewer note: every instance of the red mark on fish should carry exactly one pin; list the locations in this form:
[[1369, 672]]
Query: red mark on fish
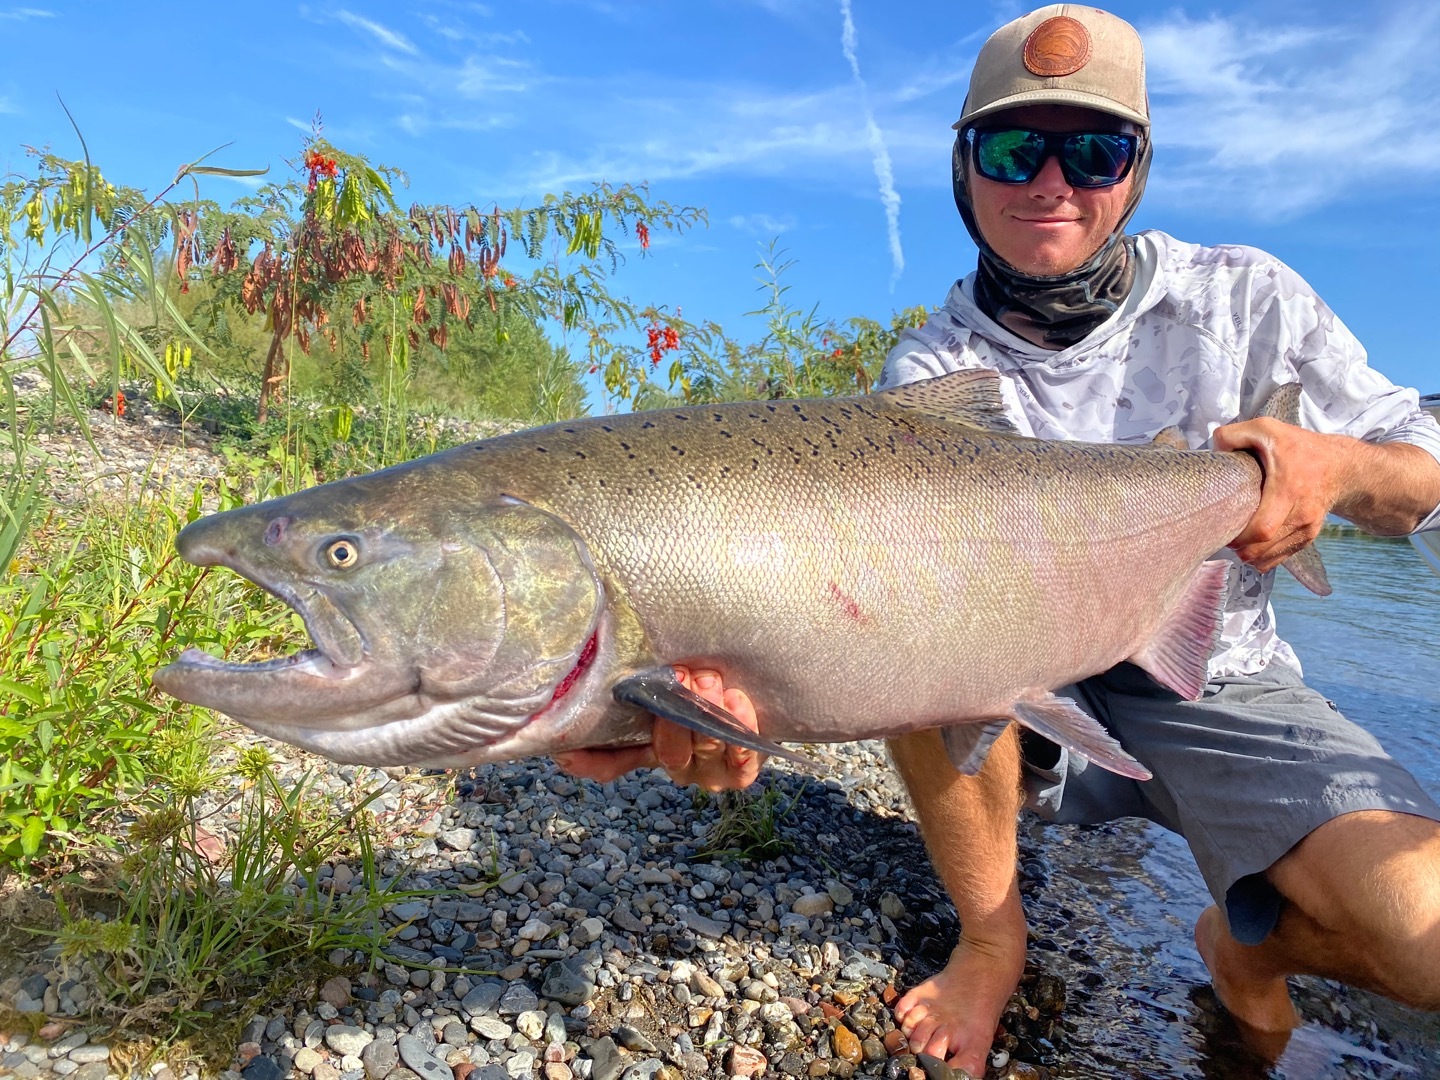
[[847, 603]]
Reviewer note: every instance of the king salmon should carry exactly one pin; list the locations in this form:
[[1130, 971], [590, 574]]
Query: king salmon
[[862, 567]]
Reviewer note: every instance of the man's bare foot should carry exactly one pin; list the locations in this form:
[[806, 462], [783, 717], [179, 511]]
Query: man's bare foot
[[953, 1015], [1259, 1001]]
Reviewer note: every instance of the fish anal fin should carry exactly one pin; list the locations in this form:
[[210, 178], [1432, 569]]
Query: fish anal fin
[[1177, 656], [1063, 722], [661, 693], [970, 397], [968, 745]]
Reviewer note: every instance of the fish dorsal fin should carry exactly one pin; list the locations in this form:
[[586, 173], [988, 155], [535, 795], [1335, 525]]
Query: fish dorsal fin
[[1172, 438], [1178, 655], [970, 397], [1283, 403]]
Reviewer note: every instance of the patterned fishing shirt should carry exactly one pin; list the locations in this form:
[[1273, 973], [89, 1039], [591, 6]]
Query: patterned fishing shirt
[[1204, 336]]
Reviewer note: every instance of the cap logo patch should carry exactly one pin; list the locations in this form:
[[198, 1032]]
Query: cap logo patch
[[1058, 46]]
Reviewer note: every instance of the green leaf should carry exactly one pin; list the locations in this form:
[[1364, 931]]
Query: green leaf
[[31, 835], [26, 693]]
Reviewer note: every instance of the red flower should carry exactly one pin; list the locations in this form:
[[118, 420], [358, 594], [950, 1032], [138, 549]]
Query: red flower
[[643, 232]]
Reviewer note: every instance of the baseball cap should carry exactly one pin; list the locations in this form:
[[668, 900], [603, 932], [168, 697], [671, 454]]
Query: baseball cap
[[1063, 54]]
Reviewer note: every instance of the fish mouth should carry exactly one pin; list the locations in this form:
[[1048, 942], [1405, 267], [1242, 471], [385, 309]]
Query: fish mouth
[[306, 680]]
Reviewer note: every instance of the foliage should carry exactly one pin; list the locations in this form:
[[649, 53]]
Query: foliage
[[750, 825], [329, 253], [180, 916], [799, 355], [94, 604]]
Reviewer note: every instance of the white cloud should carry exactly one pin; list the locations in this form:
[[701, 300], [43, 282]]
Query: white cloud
[[391, 39], [1277, 121], [879, 153], [21, 14], [761, 224]]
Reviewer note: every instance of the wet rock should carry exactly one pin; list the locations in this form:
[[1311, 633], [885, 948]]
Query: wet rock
[[845, 1044]]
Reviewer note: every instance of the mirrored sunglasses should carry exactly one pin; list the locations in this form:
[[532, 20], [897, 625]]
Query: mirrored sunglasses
[[1087, 159]]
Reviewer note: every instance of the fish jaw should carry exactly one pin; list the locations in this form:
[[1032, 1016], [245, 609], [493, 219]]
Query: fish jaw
[[578, 713]]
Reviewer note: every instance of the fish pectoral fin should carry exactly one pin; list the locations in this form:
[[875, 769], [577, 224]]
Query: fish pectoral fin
[[970, 396], [1178, 655], [1062, 721], [661, 693], [968, 745]]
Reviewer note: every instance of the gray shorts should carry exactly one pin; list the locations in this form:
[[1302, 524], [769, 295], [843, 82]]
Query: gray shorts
[[1244, 774]]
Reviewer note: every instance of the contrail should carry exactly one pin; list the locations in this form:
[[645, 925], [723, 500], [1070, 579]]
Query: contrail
[[889, 197]]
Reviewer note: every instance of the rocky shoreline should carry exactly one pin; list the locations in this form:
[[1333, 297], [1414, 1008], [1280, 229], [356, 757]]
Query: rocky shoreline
[[570, 929]]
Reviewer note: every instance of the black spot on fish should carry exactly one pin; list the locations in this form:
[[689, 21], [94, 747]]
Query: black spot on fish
[[569, 431], [647, 424], [727, 434], [542, 450], [580, 455], [677, 450], [624, 445], [606, 427]]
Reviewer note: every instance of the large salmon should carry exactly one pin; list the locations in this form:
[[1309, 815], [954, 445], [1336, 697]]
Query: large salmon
[[862, 566]]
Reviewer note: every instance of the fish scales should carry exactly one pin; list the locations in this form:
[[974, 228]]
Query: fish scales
[[918, 549], [861, 566]]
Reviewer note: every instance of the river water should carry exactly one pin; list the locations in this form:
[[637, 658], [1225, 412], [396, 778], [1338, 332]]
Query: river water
[[1373, 647]]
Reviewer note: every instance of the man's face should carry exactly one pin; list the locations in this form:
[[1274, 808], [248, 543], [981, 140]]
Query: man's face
[[1046, 227]]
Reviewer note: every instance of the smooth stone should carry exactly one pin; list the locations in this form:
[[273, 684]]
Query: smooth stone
[[379, 1059], [570, 981], [344, 1039], [425, 1064], [517, 998], [483, 997]]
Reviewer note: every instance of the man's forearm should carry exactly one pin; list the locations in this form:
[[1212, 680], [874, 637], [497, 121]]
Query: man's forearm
[[1387, 488]]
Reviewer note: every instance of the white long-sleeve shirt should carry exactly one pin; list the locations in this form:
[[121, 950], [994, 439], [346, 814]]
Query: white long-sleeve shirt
[[1203, 338]]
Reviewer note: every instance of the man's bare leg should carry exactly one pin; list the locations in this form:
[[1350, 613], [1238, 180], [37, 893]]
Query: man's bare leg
[[1363, 894], [969, 825]]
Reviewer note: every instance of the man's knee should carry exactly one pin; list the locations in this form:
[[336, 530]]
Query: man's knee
[[1374, 877]]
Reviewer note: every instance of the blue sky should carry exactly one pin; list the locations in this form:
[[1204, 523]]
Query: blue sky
[[1307, 129]]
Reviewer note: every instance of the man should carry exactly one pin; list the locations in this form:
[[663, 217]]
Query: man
[[1322, 853]]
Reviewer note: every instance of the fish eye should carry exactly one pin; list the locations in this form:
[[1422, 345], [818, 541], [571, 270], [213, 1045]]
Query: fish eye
[[342, 553]]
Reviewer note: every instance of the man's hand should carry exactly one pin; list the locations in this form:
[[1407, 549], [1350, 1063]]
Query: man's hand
[[1302, 483], [1385, 488], [688, 758]]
